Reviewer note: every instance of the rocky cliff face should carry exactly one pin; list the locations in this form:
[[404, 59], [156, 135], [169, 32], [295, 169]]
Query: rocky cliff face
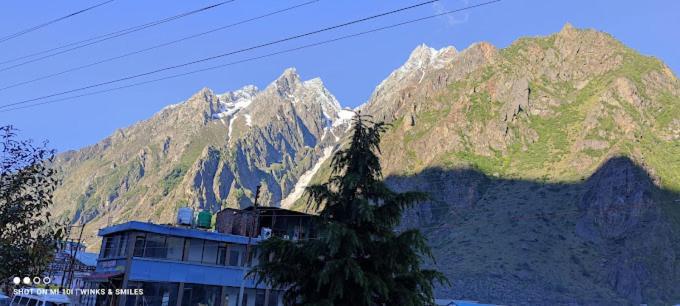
[[208, 152], [552, 164]]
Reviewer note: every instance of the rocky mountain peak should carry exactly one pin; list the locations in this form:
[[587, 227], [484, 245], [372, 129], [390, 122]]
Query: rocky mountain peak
[[323, 96], [246, 92], [287, 82], [232, 102], [567, 28], [203, 95], [424, 56]]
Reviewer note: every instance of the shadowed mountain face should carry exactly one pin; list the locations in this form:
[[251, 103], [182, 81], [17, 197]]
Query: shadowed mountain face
[[572, 148], [608, 240]]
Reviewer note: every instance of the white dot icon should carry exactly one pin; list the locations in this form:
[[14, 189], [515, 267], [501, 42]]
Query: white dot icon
[[27, 280], [16, 280]]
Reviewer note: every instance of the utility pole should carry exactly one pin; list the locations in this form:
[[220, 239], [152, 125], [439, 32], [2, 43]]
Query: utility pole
[[74, 252], [63, 249], [248, 248]]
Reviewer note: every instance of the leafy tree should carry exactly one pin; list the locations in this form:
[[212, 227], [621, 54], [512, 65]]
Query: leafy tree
[[359, 257], [27, 237]]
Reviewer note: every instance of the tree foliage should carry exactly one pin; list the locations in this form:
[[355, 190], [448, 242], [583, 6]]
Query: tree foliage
[[359, 257], [27, 236]]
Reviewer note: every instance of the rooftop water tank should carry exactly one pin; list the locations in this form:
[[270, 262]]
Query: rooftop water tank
[[185, 215], [204, 219]]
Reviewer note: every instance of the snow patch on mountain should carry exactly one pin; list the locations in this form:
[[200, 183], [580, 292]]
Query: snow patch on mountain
[[304, 180], [232, 102]]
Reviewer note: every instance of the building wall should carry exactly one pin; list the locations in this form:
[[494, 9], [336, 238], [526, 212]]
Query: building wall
[[136, 264], [143, 269]]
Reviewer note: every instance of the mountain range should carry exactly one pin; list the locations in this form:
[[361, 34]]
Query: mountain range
[[553, 164]]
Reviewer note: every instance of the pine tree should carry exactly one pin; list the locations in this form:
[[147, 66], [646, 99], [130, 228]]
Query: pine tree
[[359, 257]]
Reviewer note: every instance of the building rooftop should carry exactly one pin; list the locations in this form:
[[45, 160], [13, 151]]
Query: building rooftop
[[88, 259], [178, 231]]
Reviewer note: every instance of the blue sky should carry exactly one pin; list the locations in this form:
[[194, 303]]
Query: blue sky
[[350, 68]]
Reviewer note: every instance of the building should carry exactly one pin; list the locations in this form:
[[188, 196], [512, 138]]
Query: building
[[183, 265], [71, 265]]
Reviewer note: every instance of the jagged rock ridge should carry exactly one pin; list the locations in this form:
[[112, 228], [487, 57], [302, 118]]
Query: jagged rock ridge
[[208, 152]]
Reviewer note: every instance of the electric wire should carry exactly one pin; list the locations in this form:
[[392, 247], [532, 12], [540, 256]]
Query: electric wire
[[105, 37], [158, 45], [42, 25], [240, 51]]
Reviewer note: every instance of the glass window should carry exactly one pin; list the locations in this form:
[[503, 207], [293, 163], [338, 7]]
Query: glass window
[[162, 294], [210, 252], [195, 253], [109, 246], [237, 255], [122, 249], [245, 299], [222, 256], [259, 298], [234, 255], [155, 246], [175, 247], [273, 298], [201, 295], [140, 241]]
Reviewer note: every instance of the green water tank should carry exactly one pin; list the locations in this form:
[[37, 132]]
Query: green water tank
[[204, 219]]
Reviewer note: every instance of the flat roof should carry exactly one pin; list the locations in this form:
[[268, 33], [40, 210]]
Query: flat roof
[[174, 231]]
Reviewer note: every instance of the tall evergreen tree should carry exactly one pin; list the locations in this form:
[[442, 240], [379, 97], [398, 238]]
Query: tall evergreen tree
[[359, 257]]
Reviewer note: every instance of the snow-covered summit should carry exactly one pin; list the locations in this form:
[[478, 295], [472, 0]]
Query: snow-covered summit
[[232, 102]]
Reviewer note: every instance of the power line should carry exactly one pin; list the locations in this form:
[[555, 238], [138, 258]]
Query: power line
[[257, 47], [241, 61], [42, 25], [105, 37], [159, 45]]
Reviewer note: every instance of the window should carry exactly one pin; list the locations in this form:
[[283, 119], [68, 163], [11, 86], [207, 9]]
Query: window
[[162, 294], [273, 298], [195, 252], [201, 295], [155, 246], [140, 241], [237, 255], [259, 298], [210, 252], [222, 256], [109, 246], [245, 299], [122, 245], [175, 247], [234, 255]]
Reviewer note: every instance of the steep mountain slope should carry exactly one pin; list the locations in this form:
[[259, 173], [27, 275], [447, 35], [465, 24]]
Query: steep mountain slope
[[208, 152], [521, 150], [553, 164]]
